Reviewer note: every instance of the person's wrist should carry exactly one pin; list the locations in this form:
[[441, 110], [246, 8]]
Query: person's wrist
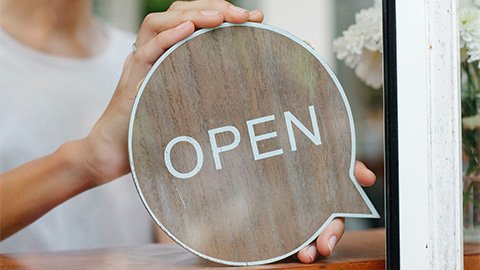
[[78, 163]]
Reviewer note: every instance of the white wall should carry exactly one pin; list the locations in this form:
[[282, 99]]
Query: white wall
[[121, 14], [310, 20]]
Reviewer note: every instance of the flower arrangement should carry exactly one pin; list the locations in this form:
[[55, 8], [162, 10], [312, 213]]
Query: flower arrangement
[[469, 14], [360, 47]]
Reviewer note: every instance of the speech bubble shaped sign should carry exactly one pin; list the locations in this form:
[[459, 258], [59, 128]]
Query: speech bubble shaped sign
[[241, 145]]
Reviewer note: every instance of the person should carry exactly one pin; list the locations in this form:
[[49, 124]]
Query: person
[[58, 67]]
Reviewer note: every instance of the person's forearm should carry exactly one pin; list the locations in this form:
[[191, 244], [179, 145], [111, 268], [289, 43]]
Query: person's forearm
[[31, 190]]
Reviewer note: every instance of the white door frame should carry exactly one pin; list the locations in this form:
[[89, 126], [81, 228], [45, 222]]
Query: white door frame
[[429, 134]]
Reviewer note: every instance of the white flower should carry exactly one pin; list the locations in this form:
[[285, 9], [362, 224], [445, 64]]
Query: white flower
[[472, 122], [360, 46], [369, 68], [470, 32]]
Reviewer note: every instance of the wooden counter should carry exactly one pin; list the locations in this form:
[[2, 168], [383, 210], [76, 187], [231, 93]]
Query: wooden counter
[[357, 250]]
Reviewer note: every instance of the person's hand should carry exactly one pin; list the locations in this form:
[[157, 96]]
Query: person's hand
[[104, 154], [328, 239]]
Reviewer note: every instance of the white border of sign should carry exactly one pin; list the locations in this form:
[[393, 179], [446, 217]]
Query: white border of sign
[[374, 213]]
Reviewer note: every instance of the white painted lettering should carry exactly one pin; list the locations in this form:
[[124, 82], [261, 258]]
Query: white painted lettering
[[168, 161], [217, 150], [254, 138], [315, 137]]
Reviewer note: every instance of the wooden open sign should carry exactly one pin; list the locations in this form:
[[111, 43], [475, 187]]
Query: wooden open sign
[[242, 145]]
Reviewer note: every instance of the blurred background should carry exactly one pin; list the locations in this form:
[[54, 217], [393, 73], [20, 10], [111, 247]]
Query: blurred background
[[318, 23]]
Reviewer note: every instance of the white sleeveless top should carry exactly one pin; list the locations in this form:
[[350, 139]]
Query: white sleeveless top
[[46, 100]]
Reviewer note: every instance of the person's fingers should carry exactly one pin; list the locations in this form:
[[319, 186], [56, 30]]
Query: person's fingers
[[328, 239], [231, 12], [203, 14], [139, 63], [153, 49], [155, 23], [308, 254], [255, 16], [364, 176]]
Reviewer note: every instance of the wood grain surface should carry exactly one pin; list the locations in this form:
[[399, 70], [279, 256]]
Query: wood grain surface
[[249, 210], [351, 253]]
